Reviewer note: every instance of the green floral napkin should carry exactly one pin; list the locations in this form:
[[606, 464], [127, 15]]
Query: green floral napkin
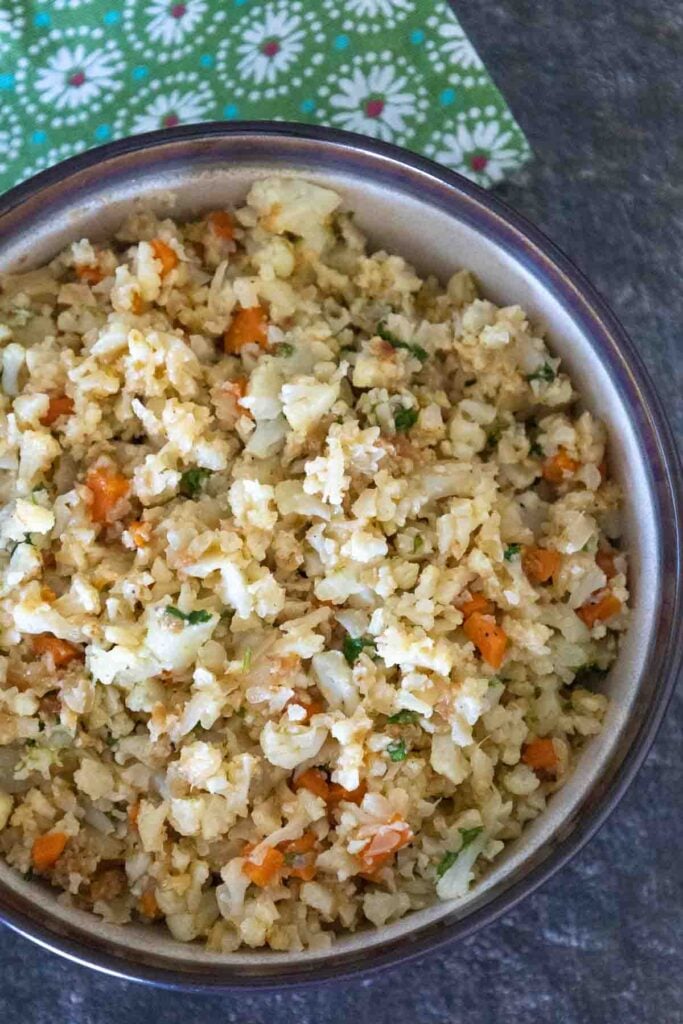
[[77, 73]]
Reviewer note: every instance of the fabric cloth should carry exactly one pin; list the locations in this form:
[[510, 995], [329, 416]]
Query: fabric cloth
[[77, 73]]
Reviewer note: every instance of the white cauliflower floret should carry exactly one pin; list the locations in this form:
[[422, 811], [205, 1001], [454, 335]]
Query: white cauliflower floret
[[94, 778], [448, 759], [252, 504], [289, 744], [305, 400], [199, 763], [291, 205], [411, 649], [335, 680], [174, 643], [22, 517], [37, 451]]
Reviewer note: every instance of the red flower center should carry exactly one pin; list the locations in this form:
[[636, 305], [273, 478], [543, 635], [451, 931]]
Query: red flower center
[[270, 48], [170, 121], [178, 10], [77, 79], [478, 162], [374, 107]]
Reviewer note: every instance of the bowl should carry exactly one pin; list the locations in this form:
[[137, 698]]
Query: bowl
[[439, 221]]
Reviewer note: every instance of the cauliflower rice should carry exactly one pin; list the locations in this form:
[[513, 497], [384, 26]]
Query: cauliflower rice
[[308, 566]]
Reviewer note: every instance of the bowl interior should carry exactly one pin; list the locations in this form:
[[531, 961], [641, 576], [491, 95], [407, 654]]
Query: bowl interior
[[438, 229]]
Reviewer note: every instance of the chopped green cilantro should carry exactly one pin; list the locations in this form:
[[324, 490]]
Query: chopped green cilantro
[[192, 480], [535, 449], [397, 751], [403, 717], [192, 618], [415, 350], [468, 835], [493, 437], [418, 543], [246, 659], [544, 373], [510, 551], [404, 419], [353, 646], [285, 349]]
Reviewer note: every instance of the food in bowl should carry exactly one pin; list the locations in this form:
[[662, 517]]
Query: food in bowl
[[309, 568]]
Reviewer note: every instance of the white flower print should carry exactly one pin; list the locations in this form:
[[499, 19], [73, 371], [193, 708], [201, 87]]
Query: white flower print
[[376, 8], [66, 5], [378, 102], [271, 46], [359, 12], [482, 152], [73, 78], [11, 27], [179, 106], [171, 22], [456, 46], [10, 139]]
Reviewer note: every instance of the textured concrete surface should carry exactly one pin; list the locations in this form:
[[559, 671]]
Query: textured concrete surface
[[597, 85]]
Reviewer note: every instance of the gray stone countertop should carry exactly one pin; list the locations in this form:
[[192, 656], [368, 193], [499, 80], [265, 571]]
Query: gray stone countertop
[[598, 87]]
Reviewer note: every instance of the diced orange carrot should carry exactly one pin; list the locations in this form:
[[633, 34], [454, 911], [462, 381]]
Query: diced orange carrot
[[248, 326], [48, 594], [237, 387], [137, 304], [61, 651], [605, 560], [541, 756], [89, 273], [47, 849], [148, 905], [352, 796], [166, 255], [60, 405], [140, 533], [488, 637], [107, 489], [599, 607], [311, 705], [266, 872], [559, 467], [300, 856], [387, 840], [222, 224], [477, 603], [540, 564], [134, 813], [314, 780]]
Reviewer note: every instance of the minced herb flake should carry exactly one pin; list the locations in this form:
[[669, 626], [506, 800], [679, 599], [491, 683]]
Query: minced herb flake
[[510, 551], [192, 618], [353, 645], [246, 659], [468, 836], [415, 350], [397, 751], [285, 349], [535, 449], [404, 419], [192, 480], [403, 717], [544, 373]]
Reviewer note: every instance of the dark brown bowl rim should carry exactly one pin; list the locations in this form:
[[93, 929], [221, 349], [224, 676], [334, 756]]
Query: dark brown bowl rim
[[550, 265]]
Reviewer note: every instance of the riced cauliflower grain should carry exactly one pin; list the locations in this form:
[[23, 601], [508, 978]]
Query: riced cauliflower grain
[[309, 572]]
